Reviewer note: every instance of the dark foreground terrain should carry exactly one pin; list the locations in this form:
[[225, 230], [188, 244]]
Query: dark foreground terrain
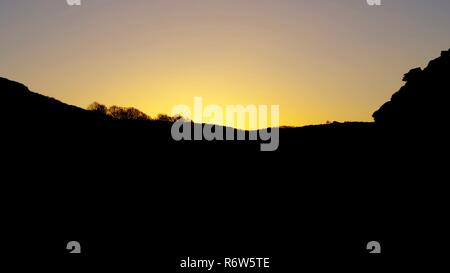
[[134, 198]]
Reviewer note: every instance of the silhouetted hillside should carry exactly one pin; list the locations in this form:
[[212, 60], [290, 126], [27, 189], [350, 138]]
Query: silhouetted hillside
[[423, 101], [76, 172], [20, 104], [26, 114]]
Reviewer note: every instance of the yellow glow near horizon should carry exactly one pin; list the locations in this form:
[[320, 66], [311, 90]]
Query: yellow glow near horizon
[[319, 60]]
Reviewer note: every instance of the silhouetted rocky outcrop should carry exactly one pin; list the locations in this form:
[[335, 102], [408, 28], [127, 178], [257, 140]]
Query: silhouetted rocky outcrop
[[423, 101]]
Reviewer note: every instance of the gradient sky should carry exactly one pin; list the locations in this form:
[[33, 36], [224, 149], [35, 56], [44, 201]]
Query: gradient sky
[[318, 59]]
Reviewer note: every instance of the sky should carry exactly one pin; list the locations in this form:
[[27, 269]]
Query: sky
[[320, 60]]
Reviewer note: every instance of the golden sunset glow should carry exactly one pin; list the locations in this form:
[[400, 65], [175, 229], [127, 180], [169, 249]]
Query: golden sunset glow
[[319, 60]]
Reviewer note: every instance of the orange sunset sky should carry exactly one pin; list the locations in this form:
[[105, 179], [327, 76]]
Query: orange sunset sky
[[319, 60]]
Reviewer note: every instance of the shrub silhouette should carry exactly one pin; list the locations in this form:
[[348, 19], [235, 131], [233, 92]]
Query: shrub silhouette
[[99, 108], [164, 117], [127, 113], [118, 112]]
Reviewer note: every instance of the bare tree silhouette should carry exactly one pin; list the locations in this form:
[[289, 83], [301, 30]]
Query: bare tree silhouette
[[97, 107], [126, 113]]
